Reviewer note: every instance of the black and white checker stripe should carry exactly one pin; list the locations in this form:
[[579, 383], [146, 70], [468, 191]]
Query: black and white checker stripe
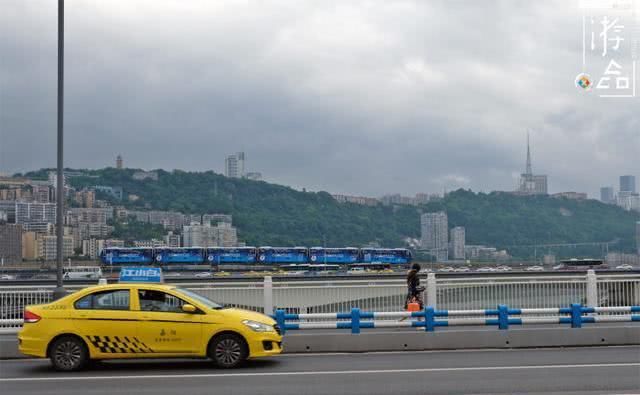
[[119, 345]]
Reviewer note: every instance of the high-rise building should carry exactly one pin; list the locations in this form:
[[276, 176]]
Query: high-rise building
[[234, 165], [222, 235], [628, 184], [607, 195], [531, 184], [47, 247], [457, 243], [10, 242], [119, 162], [41, 193], [435, 230], [226, 235], [195, 235], [35, 212], [86, 198], [92, 248]]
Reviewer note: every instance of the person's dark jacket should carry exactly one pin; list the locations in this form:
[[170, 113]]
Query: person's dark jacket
[[413, 282]]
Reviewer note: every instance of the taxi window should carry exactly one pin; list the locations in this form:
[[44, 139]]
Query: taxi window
[[105, 300], [152, 300]]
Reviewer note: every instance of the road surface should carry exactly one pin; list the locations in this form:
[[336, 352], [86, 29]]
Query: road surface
[[596, 370]]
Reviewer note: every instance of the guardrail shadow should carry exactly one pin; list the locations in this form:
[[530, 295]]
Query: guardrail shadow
[[157, 366]]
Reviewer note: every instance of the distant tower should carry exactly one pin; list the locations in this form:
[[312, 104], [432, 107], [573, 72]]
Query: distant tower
[[531, 184], [119, 162]]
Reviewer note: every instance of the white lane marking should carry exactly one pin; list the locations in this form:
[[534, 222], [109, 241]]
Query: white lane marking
[[473, 350], [318, 373]]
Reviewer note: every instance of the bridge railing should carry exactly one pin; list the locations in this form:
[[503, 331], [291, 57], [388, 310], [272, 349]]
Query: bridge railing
[[528, 291], [430, 318]]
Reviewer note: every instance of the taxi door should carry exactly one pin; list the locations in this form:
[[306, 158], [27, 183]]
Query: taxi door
[[106, 322], [164, 327]]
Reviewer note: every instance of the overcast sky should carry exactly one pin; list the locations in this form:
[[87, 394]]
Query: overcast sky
[[357, 97]]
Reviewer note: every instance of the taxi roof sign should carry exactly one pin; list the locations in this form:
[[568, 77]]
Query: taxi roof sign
[[141, 275]]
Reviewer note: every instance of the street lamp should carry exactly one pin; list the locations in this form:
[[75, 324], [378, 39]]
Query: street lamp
[[324, 239], [59, 291]]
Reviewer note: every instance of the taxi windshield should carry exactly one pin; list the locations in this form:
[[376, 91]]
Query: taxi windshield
[[205, 301]]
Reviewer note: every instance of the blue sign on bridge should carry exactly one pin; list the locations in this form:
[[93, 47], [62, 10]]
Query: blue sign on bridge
[[141, 275]]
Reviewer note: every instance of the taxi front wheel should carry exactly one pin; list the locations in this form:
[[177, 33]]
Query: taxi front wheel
[[228, 350], [68, 353]]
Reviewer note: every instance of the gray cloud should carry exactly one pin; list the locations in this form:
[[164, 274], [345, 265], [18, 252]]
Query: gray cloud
[[361, 97]]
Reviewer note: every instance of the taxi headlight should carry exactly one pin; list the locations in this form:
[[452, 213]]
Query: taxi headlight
[[258, 326]]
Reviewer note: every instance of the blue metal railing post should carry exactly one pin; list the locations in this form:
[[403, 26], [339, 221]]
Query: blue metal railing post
[[281, 321], [429, 319], [576, 315], [355, 320], [503, 316]]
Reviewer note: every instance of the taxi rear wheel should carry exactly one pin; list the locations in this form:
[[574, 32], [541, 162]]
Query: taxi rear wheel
[[228, 350], [68, 353]]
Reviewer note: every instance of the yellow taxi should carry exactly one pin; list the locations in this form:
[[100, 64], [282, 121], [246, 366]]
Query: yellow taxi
[[144, 321]]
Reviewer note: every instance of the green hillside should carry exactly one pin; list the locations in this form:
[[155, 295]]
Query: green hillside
[[502, 219], [269, 214]]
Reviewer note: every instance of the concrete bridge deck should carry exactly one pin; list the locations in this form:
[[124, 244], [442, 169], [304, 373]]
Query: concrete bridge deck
[[588, 370]]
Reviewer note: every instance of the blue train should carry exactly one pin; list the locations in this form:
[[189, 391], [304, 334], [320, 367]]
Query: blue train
[[230, 255], [345, 255], [385, 255], [270, 255], [119, 256], [178, 255], [253, 255]]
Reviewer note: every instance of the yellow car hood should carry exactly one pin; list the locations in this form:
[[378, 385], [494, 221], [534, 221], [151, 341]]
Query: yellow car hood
[[241, 315]]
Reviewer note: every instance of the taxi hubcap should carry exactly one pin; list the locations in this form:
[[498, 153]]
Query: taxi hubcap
[[68, 354], [228, 351]]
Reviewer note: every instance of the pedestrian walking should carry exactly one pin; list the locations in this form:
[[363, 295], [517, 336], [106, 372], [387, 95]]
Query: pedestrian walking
[[414, 290]]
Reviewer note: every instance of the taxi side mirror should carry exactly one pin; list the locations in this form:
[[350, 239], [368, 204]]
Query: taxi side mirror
[[189, 308]]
